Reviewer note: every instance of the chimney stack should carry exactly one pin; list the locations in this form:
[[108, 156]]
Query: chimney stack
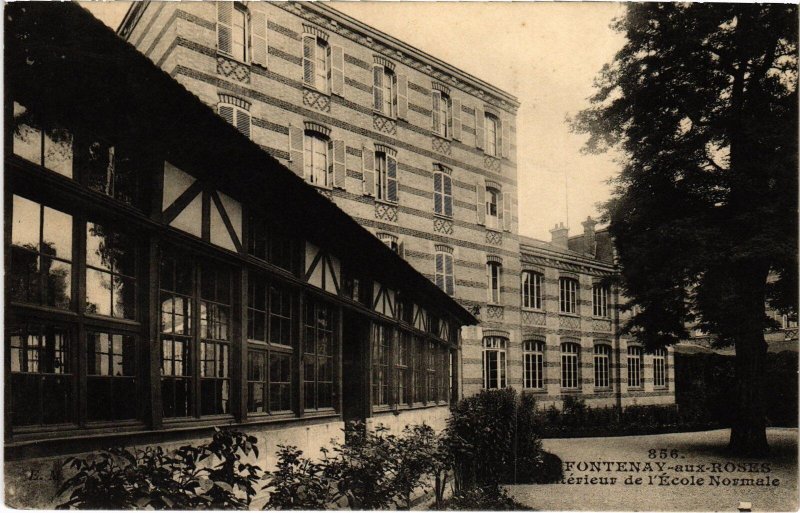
[[559, 236], [589, 241]]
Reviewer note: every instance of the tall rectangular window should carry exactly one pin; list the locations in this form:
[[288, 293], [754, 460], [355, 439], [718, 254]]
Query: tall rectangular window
[[177, 319], [600, 300], [492, 208], [403, 384], [215, 338], [381, 338], [568, 295], [602, 365], [492, 133], [111, 376], [430, 369], [316, 158], [442, 194], [316, 63], [635, 365], [531, 290], [442, 114], [384, 84], [660, 368], [419, 370], [570, 365], [386, 177], [493, 273], [239, 41], [110, 272], [41, 255], [444, 272], [533, 364], [494, 362], [318, 323]]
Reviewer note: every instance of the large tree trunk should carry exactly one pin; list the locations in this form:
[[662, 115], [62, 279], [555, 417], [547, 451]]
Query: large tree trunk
[[749, 428]]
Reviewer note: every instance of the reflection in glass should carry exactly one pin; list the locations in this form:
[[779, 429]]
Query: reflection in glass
[[58, 151], [27, 141], [110, 261]]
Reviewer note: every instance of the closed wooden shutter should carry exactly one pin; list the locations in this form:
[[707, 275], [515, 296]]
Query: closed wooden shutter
[[309, 47], [480, 120], [440, 270], [402, 96], [456, 119], [226, 111], [505, 142], [480, 201], [243, 121], [296, 136], [368, 162], [337, 70], [506, 211], [447, 184], [437, 193], [448, 273], [224, 30], [391, 178], [258, 27], [377, 88], [339, 171], [436, 98]]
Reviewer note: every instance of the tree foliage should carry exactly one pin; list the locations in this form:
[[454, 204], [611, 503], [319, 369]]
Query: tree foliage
[[702, 101]]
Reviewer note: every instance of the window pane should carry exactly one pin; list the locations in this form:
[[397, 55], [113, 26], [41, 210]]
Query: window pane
[[99, 167], [27, 141], [58, 151], [98, 292]]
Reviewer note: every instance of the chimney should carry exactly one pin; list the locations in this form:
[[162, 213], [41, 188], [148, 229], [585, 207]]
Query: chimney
[[559, 236], [589, 242]]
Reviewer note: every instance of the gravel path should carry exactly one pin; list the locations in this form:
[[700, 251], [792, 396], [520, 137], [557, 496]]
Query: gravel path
[[702, 488]]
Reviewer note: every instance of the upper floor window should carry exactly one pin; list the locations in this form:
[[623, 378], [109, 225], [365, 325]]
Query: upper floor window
[[391, 242], [442, 114], [493, 273], [236, 116], [660, 367], [49, 147], [635, 365], [316, 62], [232, 36], [384, 90], [492, 208], [442, 192], [494, 362], [492, 134], [568, 295], [386, 176], [533, 364], [316, 155], [444, 271], [531, 290], [600, 300]]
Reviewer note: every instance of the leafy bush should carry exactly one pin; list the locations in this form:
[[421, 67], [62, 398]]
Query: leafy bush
[[298, 483], [490, 498], [152, 478], [493, 437]]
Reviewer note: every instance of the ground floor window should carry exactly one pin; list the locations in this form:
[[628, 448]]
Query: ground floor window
[[660, 367], [570, 365], [634, 366], [381, 338], [494, 362], [533, 364], [602, 365], [403, 384], [319, 342], [111, 376]]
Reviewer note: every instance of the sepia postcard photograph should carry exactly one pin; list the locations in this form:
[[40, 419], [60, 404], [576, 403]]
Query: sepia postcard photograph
[[476, 256]]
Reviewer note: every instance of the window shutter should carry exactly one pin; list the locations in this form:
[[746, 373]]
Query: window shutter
[[377, 88], [391, 178], [436, 97], [401, 249], [243, 122], [514, 213], [337, 70], [437, 193], [368, 161], [506, 211], [296, 136], [480, 119], [224, 30], [447, 182], [226, 111], [339, 172], [309, 46], [506, 137], [448, 273], [402, 96], [440, 270], [480, 201], [456, 119], [258, 27]]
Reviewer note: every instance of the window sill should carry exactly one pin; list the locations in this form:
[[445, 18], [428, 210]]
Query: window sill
[[443, 216], [231, 57], [535, 390], [573, 315], [316, 90], [319, 186], [529, 309], [494, 229], [599, 318], [442, 137], [384, 115], [386, 202]]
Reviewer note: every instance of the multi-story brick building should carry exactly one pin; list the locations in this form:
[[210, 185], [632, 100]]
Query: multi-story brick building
[[421, 154]]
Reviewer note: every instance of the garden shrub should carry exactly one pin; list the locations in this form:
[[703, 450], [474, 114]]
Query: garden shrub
[[299, 483], [152, 478], [488, 498]]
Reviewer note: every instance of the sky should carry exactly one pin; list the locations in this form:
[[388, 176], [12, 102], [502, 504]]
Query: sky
[[547, 54]]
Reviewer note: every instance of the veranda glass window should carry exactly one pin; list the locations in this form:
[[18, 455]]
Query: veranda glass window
[[318, 321]]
